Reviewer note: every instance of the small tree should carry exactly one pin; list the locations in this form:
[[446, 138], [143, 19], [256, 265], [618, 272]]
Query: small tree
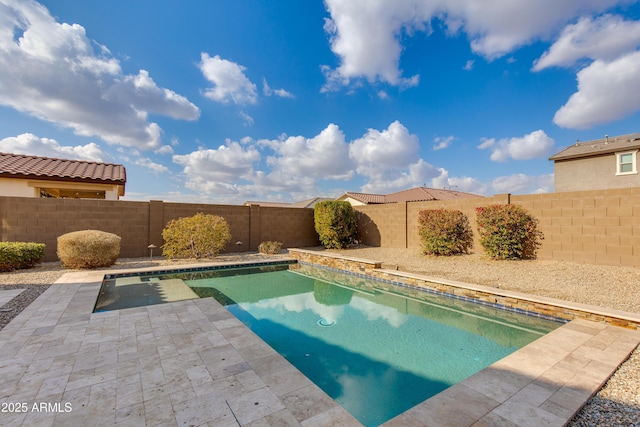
[[444, 232], [198, 236], [508, 232], [335, 223]]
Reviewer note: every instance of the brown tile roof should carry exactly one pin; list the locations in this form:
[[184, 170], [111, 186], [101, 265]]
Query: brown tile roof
[[596, 147], [366, 197], [19, 165], [309, 203], [417, 194]]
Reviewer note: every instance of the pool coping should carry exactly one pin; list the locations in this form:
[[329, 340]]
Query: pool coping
[[544, 383]]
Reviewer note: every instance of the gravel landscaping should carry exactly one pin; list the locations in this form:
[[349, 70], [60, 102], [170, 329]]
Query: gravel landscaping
[[616, 404]]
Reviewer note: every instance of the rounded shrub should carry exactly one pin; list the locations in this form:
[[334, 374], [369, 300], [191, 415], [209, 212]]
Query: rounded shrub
[[17, 255], [508, 232], [198, 236], [335, 223], [444, 232], [269, 247], [88, 249]]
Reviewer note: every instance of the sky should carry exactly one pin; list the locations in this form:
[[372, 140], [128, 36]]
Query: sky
[[224, 102]]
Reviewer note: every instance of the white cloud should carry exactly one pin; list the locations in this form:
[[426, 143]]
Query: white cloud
[[248, 120], [365, 34], [32, 145], [393, 147], [50, 71], [324, 156], [463, 183], [606, 37], [218, 170], [230, 83], [534, 145], [522, 184], [151, 165], [607, 91], [281, 93], [468, 66], [496, 28], [390, 159], [442, 142], [512, 184]]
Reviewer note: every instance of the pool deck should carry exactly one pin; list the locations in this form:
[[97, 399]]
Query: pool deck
[[192, 363]]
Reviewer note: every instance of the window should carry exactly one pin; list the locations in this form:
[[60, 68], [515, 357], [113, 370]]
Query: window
[[626, 163], [61, 193]]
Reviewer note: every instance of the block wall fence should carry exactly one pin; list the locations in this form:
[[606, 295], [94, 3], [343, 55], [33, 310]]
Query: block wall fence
[[140, 223], [595, 227]]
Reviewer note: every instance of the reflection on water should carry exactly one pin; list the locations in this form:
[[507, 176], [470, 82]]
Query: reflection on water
[[383, 352]]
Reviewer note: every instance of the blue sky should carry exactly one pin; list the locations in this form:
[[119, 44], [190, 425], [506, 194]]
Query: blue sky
[[222, 102]]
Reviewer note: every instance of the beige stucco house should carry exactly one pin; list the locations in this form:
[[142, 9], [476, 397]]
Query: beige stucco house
[[610, 162], [33, 176]]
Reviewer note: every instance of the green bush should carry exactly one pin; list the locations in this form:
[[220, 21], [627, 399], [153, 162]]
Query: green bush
[[269, 247], [198, 236], [335, 223], [88, 249], [444, 232], [508, 232], [17, 255]]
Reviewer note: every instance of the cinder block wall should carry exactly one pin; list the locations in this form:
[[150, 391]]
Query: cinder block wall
[[140, 223], [292, 227], [595, 227], [43, 220]]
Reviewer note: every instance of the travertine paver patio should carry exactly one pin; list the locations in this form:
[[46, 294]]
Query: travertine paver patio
[[8, 295], [192, 363]]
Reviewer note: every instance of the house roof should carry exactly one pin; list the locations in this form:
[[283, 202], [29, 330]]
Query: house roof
[[309, 203], [23, 166], [597, 147], [417, 194], [365, 197]]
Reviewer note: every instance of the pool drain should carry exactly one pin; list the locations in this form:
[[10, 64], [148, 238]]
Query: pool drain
[[325, 322]]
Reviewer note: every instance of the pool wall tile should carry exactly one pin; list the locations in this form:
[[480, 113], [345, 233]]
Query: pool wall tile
[[541, 307]]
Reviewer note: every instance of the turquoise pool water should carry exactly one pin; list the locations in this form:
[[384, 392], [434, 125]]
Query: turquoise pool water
[[373, 350]]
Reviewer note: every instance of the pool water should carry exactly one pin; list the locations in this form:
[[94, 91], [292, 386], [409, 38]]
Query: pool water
[[376, 352], [376, 348]]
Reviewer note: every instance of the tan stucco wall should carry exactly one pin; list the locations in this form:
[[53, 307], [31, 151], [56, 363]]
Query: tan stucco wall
[[15, 187], [591, 173], [12, 187]]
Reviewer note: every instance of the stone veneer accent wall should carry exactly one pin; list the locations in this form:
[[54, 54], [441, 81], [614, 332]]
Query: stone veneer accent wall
[[514, 301]]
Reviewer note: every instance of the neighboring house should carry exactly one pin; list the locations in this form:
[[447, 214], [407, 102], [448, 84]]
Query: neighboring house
[[309, 203], [417, 194], [33, 176], [610, 162]]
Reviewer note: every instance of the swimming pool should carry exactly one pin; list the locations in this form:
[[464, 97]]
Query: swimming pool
[[375, 351]]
